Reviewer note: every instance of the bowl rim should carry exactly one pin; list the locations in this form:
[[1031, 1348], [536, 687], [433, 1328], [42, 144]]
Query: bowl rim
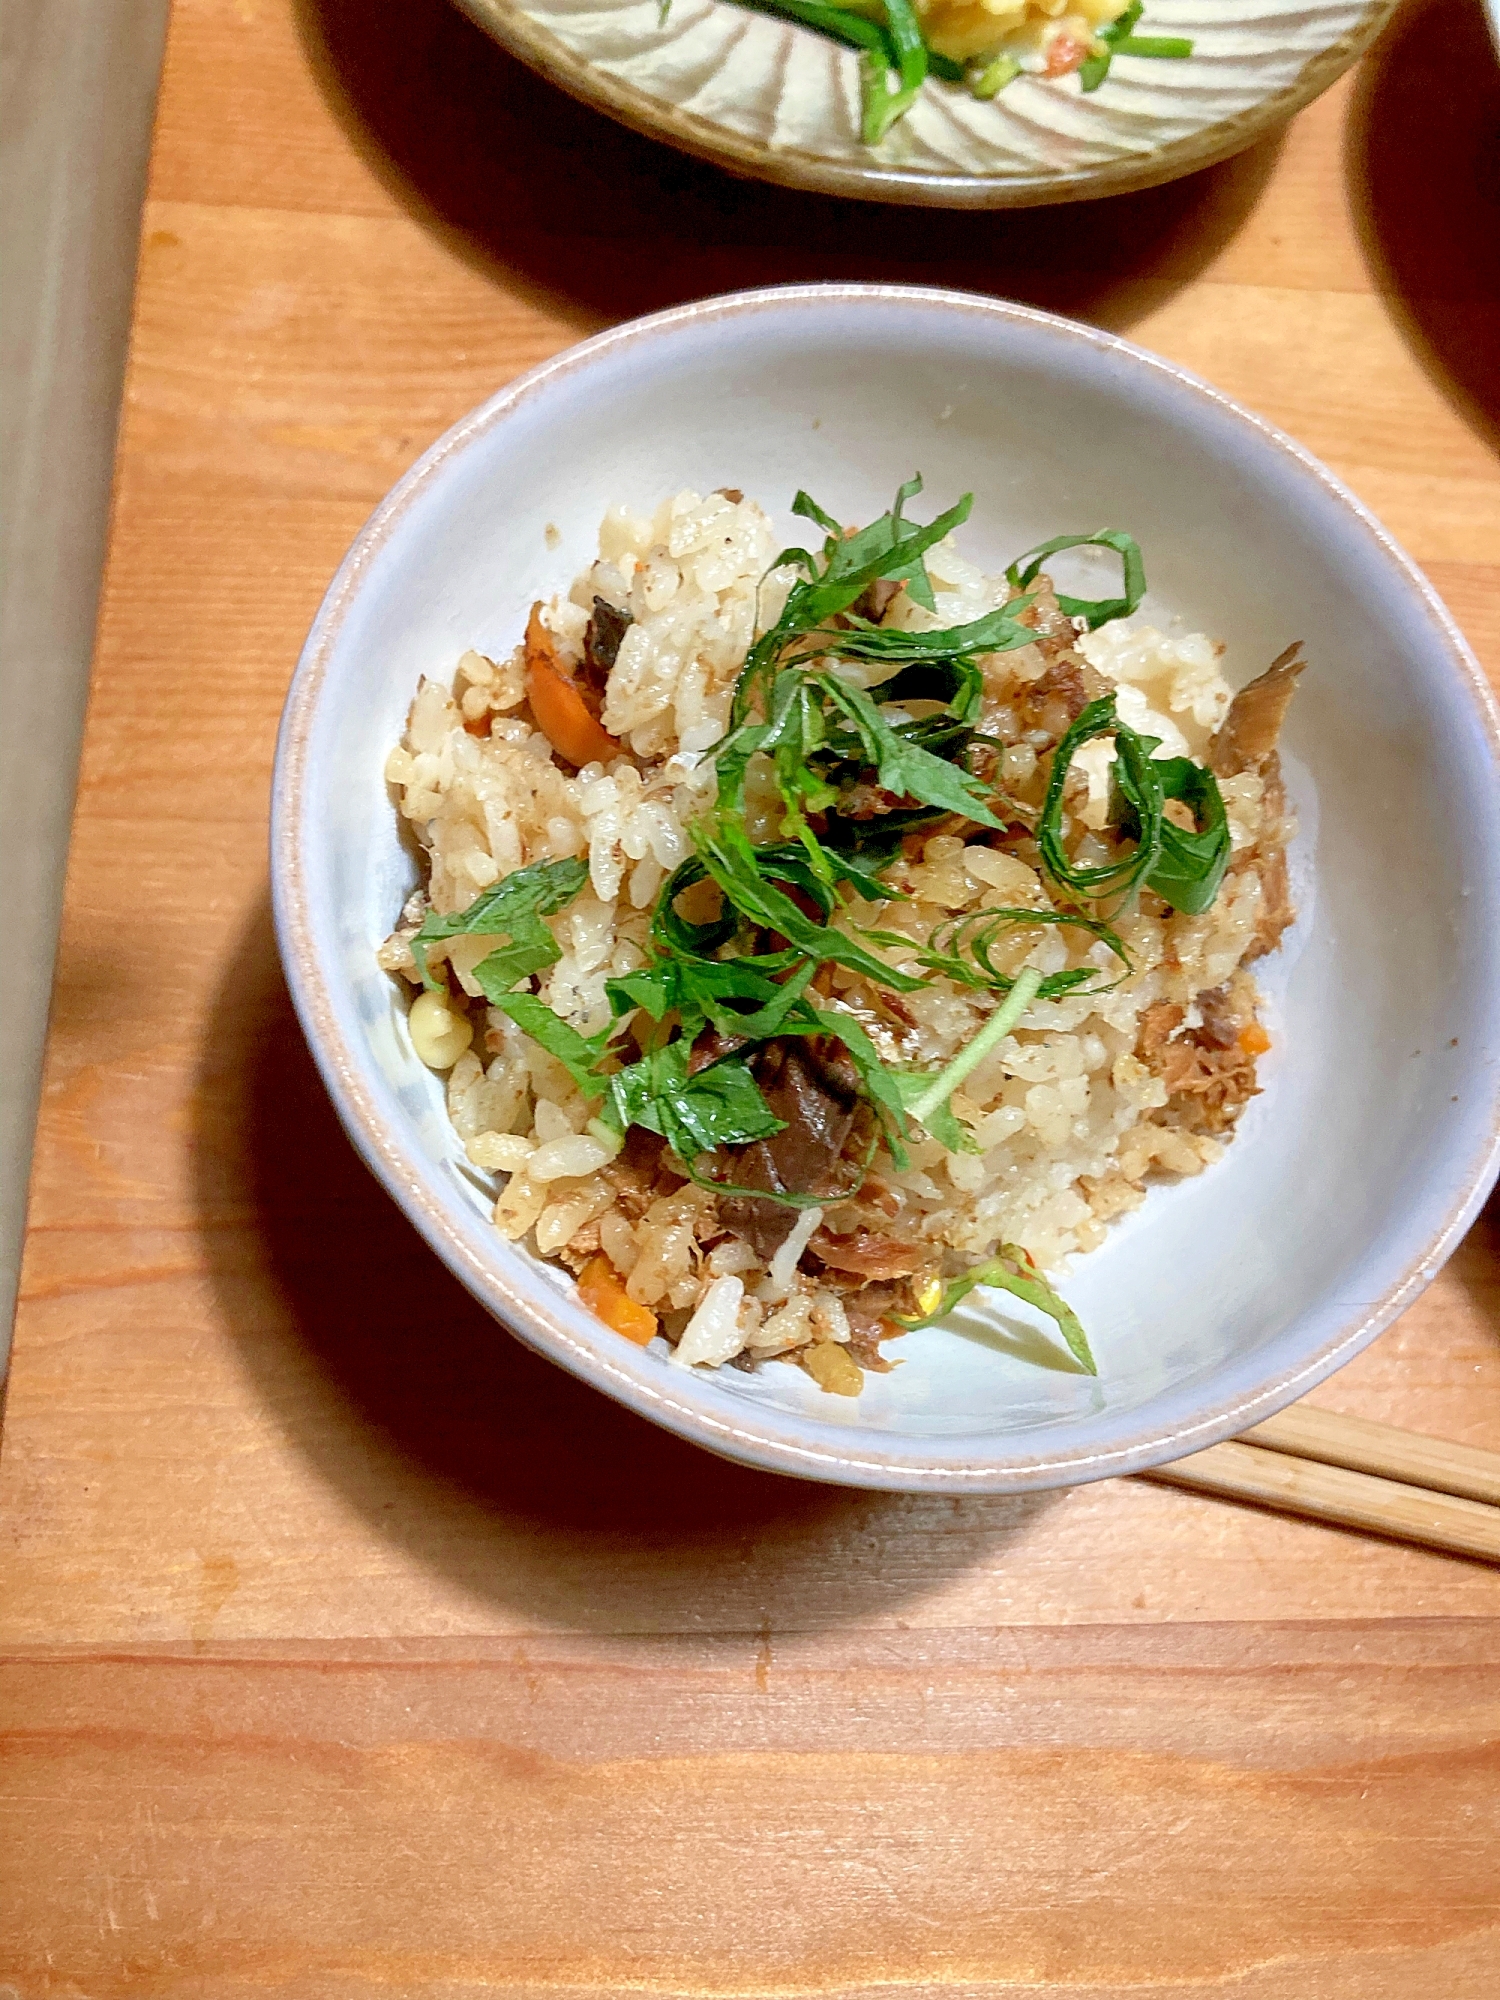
[[885, 1461], [508, 22]]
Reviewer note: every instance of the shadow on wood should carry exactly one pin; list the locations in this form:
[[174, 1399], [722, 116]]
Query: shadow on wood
[[606, 224], [483, 1459], [1476, 1265], [1424, 138]]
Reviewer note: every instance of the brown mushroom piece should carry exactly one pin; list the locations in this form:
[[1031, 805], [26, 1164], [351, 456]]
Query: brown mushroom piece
[[814, 1089], [601, 645], [1251, 730], [1247, 741]]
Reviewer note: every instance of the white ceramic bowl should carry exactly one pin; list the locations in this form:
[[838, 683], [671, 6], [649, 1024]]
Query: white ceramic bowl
[[1374, 1142]]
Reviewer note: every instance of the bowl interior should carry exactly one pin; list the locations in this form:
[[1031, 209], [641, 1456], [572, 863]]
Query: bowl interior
[[1224, 1295]]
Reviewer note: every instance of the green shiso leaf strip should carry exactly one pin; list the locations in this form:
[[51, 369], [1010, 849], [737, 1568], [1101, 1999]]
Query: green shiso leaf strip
[[1100, 610], [749, 999], [815, 726], [883, 1085], [730, 860], [579, 1055], [906, 36], [999, 631], [717, 1105], [881, 1082], [729, 995], [902, 766], [1098, 719], [674, 934], [513, 908], [891, 549], [950, 679], [960, 950], [720, 1105], [1191, 866], [1013, 1271], [1185, 868]]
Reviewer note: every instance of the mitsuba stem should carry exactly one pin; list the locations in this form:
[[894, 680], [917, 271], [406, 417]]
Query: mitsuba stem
[[990, 1036]]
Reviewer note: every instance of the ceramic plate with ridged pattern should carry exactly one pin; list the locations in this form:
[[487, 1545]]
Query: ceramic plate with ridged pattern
[[780, 102]]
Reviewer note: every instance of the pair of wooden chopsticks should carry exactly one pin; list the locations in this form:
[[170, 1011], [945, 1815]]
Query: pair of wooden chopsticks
[[1357, 1474]]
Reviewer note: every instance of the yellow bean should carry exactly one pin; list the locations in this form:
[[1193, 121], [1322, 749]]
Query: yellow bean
[[833, 1368], [438, 1034]]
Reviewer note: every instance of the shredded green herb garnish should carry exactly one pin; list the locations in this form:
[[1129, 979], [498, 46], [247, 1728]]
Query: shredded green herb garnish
[[866, 731], [959, 949], [1100, 610], [1184, 868], [1012, 1271], [513, 908], [895, 59]]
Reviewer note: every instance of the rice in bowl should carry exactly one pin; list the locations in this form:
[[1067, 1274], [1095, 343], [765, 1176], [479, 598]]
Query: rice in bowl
[[1133, 1060]]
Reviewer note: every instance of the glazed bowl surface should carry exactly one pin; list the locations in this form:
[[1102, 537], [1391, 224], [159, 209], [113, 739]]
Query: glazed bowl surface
[[1374, 1140]]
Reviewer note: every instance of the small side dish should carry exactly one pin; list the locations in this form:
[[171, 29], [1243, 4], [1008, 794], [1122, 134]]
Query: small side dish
[[978, 45], [945, 103], [811, 936]]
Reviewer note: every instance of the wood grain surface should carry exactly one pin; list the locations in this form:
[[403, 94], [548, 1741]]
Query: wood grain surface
[[346, 1649]]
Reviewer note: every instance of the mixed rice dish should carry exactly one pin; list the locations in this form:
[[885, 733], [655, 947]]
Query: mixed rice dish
[[809, 936]]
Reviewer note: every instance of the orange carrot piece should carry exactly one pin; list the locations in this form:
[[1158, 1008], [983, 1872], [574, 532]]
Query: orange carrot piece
[[1253, 1039], [602, 1290], [1067, 53], [556, 703]]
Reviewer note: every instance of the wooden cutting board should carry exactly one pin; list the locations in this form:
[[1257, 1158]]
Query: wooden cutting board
[[348, 1650]]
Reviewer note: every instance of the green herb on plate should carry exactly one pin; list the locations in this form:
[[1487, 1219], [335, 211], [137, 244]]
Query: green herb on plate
[[896, 59]]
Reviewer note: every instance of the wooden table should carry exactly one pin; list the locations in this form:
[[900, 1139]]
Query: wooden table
[[347, 1649]]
